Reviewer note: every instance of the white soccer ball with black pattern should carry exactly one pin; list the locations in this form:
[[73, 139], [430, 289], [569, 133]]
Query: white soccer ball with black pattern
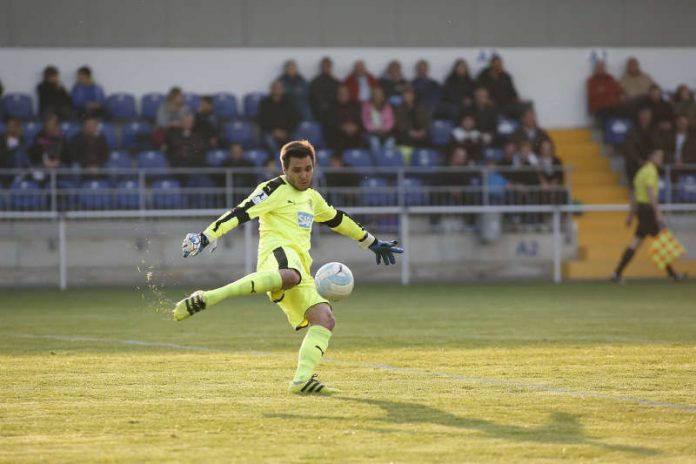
[[334, 281]]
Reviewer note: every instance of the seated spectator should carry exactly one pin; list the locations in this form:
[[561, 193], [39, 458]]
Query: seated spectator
[[296, 88], [53, 98], [12, 145], [50, 150], [640, 141], [529, 130], [459, 89], [523, 157], [551, 174], [271, 169], [458, 158], [684, 104], [603, 94], [681, 148], [185, 148], [206, 123], [485, 113], [344, 122], [173, 110], [661, 109], [467, 136], [635, 83], [245, 179], [89, 148], [322, 90], [412, 121], [337, 176], [500, 86], [392, 81], [378, 120], [428, 90], [360, 83], [87, 96], [278, 117]]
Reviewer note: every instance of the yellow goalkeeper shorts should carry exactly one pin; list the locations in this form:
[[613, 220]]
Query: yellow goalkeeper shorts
[[296, 301]]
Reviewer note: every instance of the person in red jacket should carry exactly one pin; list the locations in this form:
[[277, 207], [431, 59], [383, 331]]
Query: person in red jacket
[[360, 83], [603, 94]]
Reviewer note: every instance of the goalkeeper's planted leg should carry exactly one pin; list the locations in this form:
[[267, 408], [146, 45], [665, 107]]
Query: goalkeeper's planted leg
[[258, 282]]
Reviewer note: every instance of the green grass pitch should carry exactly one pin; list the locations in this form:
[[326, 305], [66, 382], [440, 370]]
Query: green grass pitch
[[470, 373]]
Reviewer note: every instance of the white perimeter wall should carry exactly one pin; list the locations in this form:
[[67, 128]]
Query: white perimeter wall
[[553, 77]]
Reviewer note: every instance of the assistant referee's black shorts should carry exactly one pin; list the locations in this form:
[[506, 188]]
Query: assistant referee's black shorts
[[647, 223]]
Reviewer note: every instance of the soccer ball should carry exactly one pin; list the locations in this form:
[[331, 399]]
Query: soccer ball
[[334, 281]]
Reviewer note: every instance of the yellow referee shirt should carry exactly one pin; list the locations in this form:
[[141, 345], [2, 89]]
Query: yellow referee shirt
[[646, 177]]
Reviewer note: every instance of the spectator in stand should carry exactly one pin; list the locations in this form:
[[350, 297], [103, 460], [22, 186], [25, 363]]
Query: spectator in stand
[[500, 86], [278, 117], [322, 90], [392, 81], [635, 83], [551, 174], [297, 89], [344, 122], [89, 148], [378, 120], [428, 90], [682, 145], [360, 83], [173, 110], [603, 94], [87, 96], [458, 158], [338, 176], [467, 136], [412, 121], [206, 123], [485, 113], [270, 169], [640, 141], [530, 130], [50, 150], [661, 109], [684, 104], [185, 148], [241, 180], [53, 98], [459, 89], [12, 146]]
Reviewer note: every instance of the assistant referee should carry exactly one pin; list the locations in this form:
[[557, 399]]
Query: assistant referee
[[646, 207]]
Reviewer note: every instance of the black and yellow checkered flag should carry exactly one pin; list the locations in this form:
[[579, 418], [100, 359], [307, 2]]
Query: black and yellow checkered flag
[[665, 249]]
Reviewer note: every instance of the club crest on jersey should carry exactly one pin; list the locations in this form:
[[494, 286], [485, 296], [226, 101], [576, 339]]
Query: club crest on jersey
[[256, 199], [305, 220]]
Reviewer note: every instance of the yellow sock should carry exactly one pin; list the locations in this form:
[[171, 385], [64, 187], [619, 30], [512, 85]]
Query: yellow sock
[[312, 349], [258, 282]]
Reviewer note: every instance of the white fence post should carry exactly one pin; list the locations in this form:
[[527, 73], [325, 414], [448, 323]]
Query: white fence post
[[405, 267], [62, 255], [557, 252]]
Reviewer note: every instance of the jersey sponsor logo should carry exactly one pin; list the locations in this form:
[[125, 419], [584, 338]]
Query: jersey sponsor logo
[[256, 199], [305, 220]]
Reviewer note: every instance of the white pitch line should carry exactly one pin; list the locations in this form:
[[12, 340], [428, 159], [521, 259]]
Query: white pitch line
[[382, 367]]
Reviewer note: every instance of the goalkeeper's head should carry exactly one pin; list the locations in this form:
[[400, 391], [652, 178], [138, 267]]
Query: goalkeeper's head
[[298, 159]]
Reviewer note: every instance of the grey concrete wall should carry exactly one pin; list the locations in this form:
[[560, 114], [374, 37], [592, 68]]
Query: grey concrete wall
[[354, 23]]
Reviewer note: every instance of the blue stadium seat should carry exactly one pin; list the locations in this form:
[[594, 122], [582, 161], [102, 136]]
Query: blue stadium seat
[[251, 104], [497, 185], [68, 193], [96, 194], [152, 159], [242, 132], [19, 160], [440, 131], [121, 105], [324, 157], [204, 195], [615, 130], [192, 100], [390, 158], [107, 130], [27, 195], [70, 129], [30, 130], [258, 157], [376, 192], [217, 157], [3, 128], [119, 160], [225, 105], [166, 194], [18, 105], [687, 189], [358, 158], [492, 154], [507, 126], [310, 130], [415, 194], [135, 136], [149, 104], [127, 195], [426, 160]]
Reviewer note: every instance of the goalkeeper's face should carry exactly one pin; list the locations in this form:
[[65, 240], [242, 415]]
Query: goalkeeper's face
[[299, 172]]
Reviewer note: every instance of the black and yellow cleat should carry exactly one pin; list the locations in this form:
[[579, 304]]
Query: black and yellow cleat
[[311, 387], [189, 305]]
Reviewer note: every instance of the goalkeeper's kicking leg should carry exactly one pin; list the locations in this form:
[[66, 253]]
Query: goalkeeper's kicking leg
[[257, 282]]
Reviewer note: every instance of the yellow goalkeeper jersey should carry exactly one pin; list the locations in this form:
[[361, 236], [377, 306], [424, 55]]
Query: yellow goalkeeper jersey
[[286, 216]]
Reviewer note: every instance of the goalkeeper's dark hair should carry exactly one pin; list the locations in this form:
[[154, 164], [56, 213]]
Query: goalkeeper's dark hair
[[297, 149]]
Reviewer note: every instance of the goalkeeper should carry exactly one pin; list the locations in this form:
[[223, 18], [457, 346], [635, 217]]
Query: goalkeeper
[[287, 207]]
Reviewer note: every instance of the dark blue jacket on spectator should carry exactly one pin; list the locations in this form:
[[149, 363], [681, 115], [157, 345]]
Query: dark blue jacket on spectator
[[428, 92], [84, 94]]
